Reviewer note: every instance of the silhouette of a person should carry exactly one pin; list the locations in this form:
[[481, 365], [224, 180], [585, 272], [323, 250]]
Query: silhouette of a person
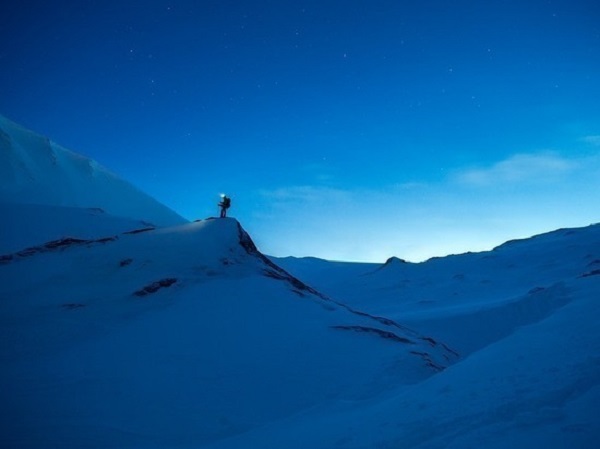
[[224, 205]]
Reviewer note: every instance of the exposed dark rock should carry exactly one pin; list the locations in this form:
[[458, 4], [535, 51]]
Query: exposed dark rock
[[394, 260], [29, 252], [105, 240], [447, 348], [428, 360], [590, 273], [273, 271], [7, 258], [138, 231], [125, 262], [73, 305], [296, 283], [96, 210], [382, 320], [300, 288], [68, 241], [433, 342], [535, 290], [429, 340], [155, 286], [247, 243], [381, 333], [274, 275], [52, 246]]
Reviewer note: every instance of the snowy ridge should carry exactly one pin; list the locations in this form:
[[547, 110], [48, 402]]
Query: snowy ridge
[[367, 323], [34, 170], [510, 285], [194, 322], [392, 328]]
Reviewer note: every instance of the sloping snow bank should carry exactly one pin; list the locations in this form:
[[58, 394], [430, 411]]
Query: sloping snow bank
[[26, 225], [34, 170]]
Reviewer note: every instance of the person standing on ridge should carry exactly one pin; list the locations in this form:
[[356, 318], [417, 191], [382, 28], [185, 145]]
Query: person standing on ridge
[[224, 205]]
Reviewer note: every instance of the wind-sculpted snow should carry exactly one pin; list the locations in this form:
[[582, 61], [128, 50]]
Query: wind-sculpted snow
[[181, 336], [525, 315]]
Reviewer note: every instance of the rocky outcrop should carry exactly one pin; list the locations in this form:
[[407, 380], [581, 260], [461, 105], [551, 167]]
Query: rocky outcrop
[[138, 231], [54, 245], [155, 286], [381, 333], [272, 270]]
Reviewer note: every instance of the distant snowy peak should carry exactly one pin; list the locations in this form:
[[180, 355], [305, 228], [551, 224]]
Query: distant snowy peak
[[546, 237], [35, 170], [394, 261]]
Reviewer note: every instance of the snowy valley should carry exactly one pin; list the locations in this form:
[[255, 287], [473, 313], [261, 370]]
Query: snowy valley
[[123, 325]]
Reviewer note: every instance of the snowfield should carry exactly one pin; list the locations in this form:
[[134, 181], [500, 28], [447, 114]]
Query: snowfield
[[181, 335], [123, 326], [524, 316]]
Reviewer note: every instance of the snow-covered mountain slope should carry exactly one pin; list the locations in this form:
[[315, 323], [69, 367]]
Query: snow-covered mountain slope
[[470, 299], [537, 388], [179, 337], [34, 170], [34, 224], [525, 315]]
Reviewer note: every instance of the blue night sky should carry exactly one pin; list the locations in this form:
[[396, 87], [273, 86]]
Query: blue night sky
[[351, 130]]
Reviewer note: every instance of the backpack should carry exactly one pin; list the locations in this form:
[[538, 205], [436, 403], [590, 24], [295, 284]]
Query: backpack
[[226, 202]]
